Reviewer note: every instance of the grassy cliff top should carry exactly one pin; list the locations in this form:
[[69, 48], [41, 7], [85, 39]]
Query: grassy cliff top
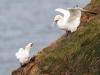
[[79, 56]]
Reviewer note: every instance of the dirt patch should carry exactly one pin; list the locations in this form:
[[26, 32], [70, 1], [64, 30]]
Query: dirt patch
[[31, 68]]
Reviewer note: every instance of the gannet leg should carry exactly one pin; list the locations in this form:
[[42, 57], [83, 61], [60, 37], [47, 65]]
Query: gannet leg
[[20, 64], [28, 62], [68, 35], [20, 68]]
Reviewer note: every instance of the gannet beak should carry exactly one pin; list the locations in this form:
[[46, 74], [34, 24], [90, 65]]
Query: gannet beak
[[54, 23], [34, 43]]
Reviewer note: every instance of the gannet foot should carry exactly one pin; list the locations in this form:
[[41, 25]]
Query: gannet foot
[[67, 38], [21, 65], [68, 35]]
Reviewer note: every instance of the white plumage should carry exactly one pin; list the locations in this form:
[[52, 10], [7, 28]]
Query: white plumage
[[23, 54], [71, 19]]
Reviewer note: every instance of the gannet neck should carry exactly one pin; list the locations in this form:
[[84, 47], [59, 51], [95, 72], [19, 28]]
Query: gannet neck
[[23, 54], [27, 50], [28, 47], [60, 21]]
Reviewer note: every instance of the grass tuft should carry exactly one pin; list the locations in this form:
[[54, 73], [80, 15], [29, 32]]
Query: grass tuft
[[80, 55]]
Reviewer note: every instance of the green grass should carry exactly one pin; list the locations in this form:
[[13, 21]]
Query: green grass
[[80, 55]]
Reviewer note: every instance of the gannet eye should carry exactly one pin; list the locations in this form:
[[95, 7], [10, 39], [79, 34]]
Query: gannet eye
[[56, 21], [32, 45]]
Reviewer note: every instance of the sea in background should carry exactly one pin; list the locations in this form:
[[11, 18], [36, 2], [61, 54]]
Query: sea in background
[[23, 21]]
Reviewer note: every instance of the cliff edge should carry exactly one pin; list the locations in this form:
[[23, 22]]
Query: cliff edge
[[79, 56]]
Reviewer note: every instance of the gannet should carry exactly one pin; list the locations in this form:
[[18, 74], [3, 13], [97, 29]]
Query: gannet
[[23, 54], [71, 19]]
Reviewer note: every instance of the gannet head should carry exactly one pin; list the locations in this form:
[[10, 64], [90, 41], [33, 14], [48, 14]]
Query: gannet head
[[30, 45], [56, 19]]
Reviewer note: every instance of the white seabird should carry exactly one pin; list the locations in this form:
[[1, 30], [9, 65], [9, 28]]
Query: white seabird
[[23, 54], [71, 19]]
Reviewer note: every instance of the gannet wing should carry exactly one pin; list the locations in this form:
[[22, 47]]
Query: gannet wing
[[21, 49], [19, 53], [77, 10], [74, 14], [65, 12]]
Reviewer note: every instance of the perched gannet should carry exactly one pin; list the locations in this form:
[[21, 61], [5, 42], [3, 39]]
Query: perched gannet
[[71, 19], [23, 54]]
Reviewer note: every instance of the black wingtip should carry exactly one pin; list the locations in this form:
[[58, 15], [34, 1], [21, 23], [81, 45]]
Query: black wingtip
[[76, 5], [94, 13]]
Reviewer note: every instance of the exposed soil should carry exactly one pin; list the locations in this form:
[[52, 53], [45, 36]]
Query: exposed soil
[[32, 67]]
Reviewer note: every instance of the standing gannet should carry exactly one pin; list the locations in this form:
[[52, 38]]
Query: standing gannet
[[23, 54], [71, 19]]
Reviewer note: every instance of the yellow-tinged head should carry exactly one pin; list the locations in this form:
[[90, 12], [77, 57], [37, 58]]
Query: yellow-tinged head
[[58, 18], [29, 46]]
